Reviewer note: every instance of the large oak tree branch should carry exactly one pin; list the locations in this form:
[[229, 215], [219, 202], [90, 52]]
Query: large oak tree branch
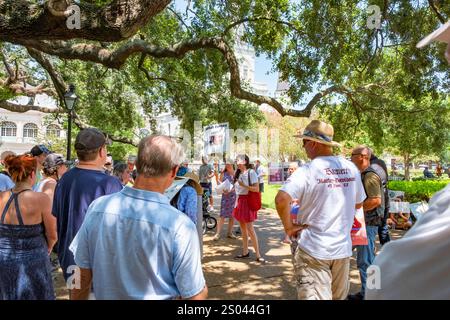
[[119, 20], [16, 80], [438, 13], [14, 107], [57, 79], [116, 58]]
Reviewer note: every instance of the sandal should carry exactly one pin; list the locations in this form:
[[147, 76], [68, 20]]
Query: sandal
[[231, 236], [242, 256], [261, 260]]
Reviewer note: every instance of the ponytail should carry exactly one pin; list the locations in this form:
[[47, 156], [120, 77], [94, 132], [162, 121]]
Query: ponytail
[[20, 167]]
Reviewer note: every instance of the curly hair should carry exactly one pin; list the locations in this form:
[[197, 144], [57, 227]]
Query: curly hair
[[50, 171], [21, 167]]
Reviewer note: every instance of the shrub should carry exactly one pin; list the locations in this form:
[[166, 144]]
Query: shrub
[[416, 191]]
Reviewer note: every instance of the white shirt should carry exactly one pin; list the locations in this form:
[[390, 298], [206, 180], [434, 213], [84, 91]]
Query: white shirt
[[417, 266], [244, 178], [261, 172], [328, 188]]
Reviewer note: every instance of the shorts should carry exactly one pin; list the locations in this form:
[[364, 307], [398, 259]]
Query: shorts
[[320, 279], [207, 186]]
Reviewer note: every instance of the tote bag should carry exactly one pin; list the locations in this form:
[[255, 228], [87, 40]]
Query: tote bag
[[254, 198]]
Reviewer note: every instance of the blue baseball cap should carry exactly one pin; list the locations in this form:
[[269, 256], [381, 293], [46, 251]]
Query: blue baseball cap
[[39, 149]]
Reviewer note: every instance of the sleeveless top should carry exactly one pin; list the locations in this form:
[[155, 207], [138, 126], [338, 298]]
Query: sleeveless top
[[25, 270], [41, 184]]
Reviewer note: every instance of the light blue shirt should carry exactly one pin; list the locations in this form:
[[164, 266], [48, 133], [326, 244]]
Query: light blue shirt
[[5, 182], [139, 247]]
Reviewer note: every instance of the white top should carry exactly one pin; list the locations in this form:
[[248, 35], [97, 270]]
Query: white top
[[41, 184], [261, 172], [417, 266], [328, 188], [244, 178]]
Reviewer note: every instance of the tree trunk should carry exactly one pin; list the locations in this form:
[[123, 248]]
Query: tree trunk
[[407, 161]]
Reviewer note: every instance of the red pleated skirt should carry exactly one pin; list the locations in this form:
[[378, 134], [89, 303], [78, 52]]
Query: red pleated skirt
[[242, 212]]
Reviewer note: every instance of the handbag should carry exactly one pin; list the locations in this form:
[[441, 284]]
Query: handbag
[[359, 233], [254, 198]]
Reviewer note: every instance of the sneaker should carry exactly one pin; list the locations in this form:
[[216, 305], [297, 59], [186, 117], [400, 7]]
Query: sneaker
[[231, 236], [210, 208], [355, 297]]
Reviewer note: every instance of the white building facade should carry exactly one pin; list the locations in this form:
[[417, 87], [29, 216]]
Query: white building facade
[[19, 132]]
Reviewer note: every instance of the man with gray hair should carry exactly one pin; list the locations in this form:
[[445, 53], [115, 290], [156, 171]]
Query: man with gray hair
[[373, 207], [134, 244]]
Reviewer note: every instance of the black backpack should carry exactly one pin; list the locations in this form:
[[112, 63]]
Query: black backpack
[[375, 216]]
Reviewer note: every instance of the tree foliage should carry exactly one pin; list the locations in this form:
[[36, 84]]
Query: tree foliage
[[134, 57]]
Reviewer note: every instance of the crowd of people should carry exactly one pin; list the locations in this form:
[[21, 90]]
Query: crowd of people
[[123, 238]]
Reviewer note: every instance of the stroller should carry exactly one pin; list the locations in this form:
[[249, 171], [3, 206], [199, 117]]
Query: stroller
[[209, 222]]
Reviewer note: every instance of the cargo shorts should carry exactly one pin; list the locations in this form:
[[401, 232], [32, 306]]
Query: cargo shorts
[[320, 279]]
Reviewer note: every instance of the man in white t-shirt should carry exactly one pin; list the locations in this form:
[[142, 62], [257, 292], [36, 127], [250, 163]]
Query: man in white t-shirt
[[328, 189], [261, 172]]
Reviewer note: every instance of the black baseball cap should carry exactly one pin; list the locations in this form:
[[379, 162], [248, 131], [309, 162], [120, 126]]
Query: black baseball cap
[[90, 139], [38, 150]]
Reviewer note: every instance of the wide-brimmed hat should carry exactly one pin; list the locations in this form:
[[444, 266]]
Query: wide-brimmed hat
[[441, 34], [320, 132], [194, 178]]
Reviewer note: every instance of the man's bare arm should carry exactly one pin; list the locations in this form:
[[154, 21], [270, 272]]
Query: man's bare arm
[[371, 203], [283, 204]]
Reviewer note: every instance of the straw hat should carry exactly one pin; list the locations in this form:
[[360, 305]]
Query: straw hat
[[192, 176], [320, 132], [441, 34]]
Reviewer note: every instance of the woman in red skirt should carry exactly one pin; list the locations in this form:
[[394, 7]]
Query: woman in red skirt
[[246, 180]]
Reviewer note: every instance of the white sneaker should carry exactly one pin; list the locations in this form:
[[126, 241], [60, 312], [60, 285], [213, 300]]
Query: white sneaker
[[210, 208]]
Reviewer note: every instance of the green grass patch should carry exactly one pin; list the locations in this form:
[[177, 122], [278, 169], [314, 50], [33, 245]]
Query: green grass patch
[[268, 196]]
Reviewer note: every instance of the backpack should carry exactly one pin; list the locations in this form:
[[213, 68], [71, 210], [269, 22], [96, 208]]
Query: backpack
[[375, 216]]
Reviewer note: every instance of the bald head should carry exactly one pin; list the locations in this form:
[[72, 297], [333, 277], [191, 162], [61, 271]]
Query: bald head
[[158, 155]]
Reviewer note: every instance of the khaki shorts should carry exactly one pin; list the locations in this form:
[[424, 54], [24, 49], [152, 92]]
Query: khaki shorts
[[320, 279]]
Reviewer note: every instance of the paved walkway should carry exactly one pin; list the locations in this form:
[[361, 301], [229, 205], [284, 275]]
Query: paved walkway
[[244, 279]]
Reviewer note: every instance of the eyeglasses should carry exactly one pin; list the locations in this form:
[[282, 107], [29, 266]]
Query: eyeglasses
[[358, 154]]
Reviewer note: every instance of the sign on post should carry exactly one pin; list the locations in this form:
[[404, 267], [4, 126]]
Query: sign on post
[[216, 138]]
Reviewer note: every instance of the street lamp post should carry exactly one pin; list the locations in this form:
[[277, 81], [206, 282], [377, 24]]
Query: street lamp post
[[70, 98]]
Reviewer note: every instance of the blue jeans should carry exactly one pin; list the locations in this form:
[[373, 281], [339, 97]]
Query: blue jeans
[[383, 231], [366, 255]]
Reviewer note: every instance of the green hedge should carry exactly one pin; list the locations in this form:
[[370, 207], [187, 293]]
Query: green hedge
[[416, 191]]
